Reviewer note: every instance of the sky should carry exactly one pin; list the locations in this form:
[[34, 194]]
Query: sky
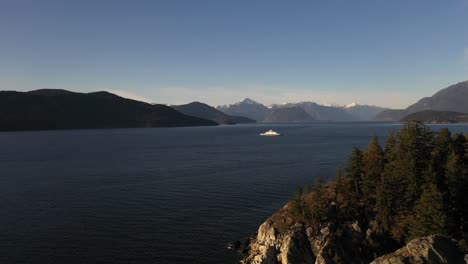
[[388, 53]]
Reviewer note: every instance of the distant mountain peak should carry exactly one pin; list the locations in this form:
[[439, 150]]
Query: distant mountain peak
[[330, 105], [353, 104], [248, 101]]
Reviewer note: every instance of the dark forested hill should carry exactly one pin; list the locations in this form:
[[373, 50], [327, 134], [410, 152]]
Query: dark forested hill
[[60, 109], [321, 112], [205, 111], [430, 116], [288, 114]]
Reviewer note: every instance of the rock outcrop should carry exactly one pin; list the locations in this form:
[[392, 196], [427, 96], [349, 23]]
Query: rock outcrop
[[271, 246], [430, 249], [282, 240]]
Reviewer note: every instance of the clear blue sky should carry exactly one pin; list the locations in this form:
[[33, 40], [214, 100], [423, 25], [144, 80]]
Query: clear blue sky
[[389, 52]]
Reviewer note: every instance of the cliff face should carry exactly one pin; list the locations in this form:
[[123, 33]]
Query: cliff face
[[281, 240], [271, 246], [430, 249]]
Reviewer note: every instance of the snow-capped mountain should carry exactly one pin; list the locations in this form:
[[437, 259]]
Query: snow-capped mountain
[[329, 112], [351, 105], [248, 101], [248, 108]]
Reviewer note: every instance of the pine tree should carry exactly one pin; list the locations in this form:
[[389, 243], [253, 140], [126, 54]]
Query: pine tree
[[443, 141], [390, 147], [318, 183], [339, 183], [297, 201], [429, 213], [386, 201], [413, 157], [317, 211], [373, 158], [299, 207], [354, 172], [436, 171], [453, 172], [458, 144], [457, 191]]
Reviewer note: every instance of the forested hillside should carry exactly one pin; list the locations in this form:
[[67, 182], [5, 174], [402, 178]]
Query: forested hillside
[[415, 186]]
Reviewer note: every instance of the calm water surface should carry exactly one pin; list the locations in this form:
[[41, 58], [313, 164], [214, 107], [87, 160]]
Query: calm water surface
[[171, 195]]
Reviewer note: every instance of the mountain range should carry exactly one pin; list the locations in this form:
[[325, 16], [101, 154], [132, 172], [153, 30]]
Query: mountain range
[[452, 99], [287, 114], [248, 108], [60, 109], [290, 112], [205, 111]]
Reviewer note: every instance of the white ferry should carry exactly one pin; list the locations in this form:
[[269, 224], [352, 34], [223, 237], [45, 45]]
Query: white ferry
[[270, 133]]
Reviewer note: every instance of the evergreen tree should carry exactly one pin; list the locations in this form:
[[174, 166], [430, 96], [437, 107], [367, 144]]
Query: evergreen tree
[[354, 172], [318, 210], [429, 213], [443, 141], [457, 191], [390, 147], [339, 183], [458, 144], [416, 186], [318, 183], [386, 201], [299, 207], [373, 158], [436, 170], [413, 156], [454, 195], [453, 172]]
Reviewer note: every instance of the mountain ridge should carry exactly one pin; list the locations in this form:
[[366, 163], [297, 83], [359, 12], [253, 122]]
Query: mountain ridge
[[202, 110], [50, 109], [432, 116], [288, 114], [453, 98], [350, 112]]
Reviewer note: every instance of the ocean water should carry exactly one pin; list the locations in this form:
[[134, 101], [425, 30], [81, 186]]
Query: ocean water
[[166, 195]]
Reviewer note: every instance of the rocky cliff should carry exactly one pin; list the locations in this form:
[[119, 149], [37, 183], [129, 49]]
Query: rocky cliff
[[283, 240], [430, 249]]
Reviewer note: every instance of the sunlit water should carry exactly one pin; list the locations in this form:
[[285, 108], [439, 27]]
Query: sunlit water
[[171, 195]]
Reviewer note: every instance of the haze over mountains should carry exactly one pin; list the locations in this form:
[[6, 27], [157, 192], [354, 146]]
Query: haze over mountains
[[290, 112]]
